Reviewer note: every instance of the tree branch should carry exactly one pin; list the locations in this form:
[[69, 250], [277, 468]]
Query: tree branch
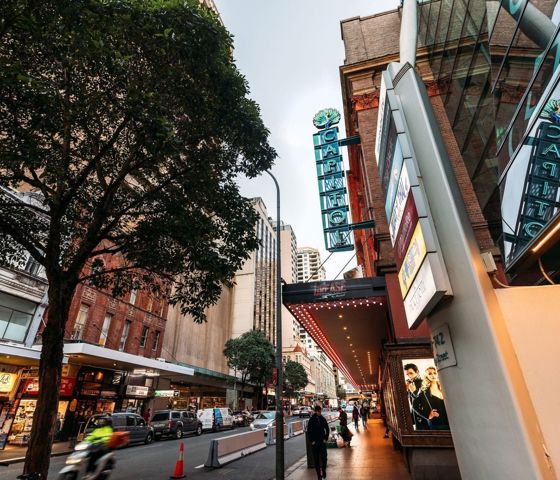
[[33, 247]]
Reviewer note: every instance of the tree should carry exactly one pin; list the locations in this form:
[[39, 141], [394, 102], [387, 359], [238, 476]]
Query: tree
[[128, 121], [295, 377], [252, 355]]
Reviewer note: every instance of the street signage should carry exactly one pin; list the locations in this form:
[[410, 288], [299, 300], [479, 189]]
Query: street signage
[[426, 291], [330, 176], [422, 277], [7, 381], [137, 390], [413, 259], [444, 355]]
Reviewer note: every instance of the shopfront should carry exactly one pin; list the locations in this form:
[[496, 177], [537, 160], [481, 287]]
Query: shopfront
[[19, 415], [97, 391], [196, 397], [9, 381]]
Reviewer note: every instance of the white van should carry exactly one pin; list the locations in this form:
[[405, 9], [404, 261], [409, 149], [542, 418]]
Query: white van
[[215, 418]]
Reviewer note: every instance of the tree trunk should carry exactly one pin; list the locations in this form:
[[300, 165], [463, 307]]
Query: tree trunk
[[37, 458]]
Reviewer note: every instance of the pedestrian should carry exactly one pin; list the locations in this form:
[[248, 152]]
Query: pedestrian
[[342, 417], [147, 415], [364, 415], [318, 433], [356, 417]]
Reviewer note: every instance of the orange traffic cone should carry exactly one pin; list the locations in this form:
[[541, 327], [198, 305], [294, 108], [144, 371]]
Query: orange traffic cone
[[178, 473]]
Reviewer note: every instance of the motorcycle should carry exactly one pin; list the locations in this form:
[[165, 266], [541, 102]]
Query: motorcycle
[[77, 464]]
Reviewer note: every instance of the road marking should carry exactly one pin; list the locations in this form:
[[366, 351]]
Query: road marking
[[200, 466]]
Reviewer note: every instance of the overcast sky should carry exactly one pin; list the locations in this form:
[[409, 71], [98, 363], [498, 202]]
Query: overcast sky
[[290, 51]]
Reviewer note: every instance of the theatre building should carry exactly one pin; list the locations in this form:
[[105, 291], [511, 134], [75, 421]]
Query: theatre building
[[451, 124]]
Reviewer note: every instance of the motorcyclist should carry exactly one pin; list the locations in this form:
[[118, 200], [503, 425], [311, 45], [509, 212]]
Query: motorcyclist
[[99, 440]]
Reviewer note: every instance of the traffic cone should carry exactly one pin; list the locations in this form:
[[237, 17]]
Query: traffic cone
[[178, 473]]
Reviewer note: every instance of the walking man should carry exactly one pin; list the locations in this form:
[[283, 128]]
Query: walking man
[[318, 431], [364, 415]]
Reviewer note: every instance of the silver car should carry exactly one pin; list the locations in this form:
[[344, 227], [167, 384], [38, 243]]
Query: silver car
[[263, 420]]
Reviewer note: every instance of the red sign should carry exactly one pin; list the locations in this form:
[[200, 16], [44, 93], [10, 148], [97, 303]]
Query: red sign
[[406, 229], [274, 376], [67, 384]]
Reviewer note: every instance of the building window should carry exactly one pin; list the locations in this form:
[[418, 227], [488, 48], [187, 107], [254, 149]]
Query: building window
[[15, 317], [124, 335], [156, 340], [144, 337], [105, 329], [33, 267], [133, 295], [80, 325]]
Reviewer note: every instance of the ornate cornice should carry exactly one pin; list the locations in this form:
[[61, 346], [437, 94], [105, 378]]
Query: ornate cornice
[[365, 101]]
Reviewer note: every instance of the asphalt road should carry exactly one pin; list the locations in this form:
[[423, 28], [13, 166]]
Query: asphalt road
[[157, 461]]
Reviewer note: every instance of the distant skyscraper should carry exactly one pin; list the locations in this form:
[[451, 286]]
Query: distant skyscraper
[[308, 261], [254, 297]]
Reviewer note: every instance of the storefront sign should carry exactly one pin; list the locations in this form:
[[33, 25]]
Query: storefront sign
[[7, 381], [400, 201], [31, 386], [395, 174], [444, 355], [406, 229], [333, 289], [330, 174], [413, 259], [167, 393], [137, 390], [426, 291]]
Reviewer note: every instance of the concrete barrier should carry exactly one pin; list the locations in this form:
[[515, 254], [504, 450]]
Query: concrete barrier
[[227, 449], [296, 428], [271, 435]]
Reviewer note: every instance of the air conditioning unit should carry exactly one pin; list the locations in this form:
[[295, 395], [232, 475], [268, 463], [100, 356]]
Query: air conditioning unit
[[160, 359]]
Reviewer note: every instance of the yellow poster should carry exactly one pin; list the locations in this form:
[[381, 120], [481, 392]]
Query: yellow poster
[[412, 260]]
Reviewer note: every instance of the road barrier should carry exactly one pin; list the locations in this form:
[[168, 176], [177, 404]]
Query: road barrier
[[271, 435], [296, 428], [227, 449]]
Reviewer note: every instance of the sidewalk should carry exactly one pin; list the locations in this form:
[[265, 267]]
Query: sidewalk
[[15, 454], [370, 456]]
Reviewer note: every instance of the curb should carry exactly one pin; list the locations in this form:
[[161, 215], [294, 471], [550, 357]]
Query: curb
[[296, 466], [10, 461]]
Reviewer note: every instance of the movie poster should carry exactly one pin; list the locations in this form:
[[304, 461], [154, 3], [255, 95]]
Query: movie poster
[[425, 395]]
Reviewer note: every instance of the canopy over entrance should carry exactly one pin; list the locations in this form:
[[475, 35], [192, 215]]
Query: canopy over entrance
[[347, 319]]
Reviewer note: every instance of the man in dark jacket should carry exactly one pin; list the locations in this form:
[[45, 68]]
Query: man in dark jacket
[[318, 432]]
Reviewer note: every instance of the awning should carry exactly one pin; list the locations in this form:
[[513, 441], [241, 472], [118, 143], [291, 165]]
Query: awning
[[17, 354], [94, 355], [347, 319]]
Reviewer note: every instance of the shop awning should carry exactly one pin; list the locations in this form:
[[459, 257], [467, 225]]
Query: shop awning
[[347, 319], [16, 354], [97, 356]]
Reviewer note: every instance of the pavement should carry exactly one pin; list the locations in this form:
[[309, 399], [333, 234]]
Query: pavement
[[370, 456], [14, 454]]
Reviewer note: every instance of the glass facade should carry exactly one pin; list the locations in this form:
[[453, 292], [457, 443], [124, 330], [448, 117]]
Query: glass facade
[[494, 62]]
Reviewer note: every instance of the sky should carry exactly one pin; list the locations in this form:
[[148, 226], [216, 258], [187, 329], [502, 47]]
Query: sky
[[290, 52]]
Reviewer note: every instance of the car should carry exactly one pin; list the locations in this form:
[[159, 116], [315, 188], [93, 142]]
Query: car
[[174, 423], [305, 412], [265, 421], [349, 408], [295, 411], [242, 418], [136, 427]]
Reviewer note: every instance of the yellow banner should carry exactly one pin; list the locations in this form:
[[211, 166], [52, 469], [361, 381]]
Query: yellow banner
[[412, 260]]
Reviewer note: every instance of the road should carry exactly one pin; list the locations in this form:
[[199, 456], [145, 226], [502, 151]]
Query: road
[[157, 461]]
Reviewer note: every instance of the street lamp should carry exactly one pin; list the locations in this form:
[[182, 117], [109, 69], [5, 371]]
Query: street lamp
[[279, 369]]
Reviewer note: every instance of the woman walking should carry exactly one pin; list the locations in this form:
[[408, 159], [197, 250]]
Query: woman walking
[[356, 417]]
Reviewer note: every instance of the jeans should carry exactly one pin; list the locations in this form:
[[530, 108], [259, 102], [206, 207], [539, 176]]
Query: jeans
[[320, 458]]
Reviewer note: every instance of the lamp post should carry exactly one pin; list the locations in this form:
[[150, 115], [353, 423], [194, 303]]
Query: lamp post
[[279, 369]]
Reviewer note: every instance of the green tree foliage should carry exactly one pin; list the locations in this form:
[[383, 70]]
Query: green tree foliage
[[128, 121], [252, 356], [295, 376]]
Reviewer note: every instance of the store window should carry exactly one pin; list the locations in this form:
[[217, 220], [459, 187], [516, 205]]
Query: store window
[[79, 326], [124, 335], [15, 317], [156, 340], [144, 337], [105, 329]]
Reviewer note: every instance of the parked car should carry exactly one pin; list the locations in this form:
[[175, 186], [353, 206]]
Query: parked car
[[242, 418], [136, 427], [305, 412], [215, 418], [295, 411], [174, 423]]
